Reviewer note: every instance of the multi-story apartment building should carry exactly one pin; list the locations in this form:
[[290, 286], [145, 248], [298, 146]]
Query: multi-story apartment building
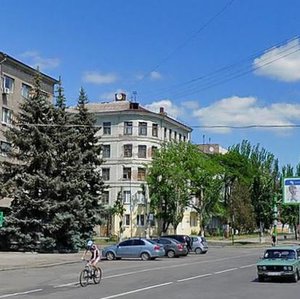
[[17, 80], [129, 135]]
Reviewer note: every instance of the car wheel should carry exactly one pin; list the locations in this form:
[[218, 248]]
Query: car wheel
[[295, 277], [110, 256], [170, 253], [198, 250], [261, 278], [145, 256]]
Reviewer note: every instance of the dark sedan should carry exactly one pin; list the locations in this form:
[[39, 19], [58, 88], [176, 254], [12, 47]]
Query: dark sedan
[[173, 248]]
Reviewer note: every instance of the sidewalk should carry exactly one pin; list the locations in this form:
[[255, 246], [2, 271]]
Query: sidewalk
[[22, 260]]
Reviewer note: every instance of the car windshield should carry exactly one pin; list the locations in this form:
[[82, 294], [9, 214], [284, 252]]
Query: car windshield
[[279, 254]]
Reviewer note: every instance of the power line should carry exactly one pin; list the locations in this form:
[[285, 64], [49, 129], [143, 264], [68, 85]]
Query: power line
[[182, 45], [229, 73], [225, 69]]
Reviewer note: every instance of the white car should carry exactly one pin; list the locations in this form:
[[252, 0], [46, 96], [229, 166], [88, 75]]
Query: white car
[[199, 244]]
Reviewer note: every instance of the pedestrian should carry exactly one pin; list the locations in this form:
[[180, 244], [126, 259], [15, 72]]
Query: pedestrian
[[273, 239]]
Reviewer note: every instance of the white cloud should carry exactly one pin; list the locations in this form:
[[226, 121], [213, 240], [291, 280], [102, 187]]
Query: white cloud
[[281, 63], [155, 76], [99, 78], [169, 107], [35, 60], [245, 111]]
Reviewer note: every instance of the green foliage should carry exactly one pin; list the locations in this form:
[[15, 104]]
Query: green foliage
[[51, 176]]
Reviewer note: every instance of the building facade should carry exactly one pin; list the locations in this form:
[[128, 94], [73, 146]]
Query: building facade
[[17, 80], [130, 134]]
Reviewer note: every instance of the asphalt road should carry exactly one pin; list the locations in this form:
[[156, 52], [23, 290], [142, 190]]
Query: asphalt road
[[221, 273]]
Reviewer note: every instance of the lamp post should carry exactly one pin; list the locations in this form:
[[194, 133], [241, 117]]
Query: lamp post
[[130, 204]]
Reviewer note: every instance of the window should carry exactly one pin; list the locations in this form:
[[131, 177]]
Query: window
[[184, 138], [142, 151], [126, 243], [141, 174], [105, 197], [126, 196], [126, 173], [6, 115], [153, 150], [25, 91], [127, 219], [140, 197], [165, 133], [8, 83], [105, 174], [170, 134], [142, 128], [4, 148], [128, 128], [127, 150], [140, 220], [175, 135], [106, 151], [155, 130], [138, 242], [107, 128], [180, 137]]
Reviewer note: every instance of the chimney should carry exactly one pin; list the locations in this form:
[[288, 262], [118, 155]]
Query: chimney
[[161, 110]]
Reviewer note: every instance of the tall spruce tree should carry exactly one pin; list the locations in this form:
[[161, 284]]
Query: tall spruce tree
[[67, 182], [26, 174], [93, 186]]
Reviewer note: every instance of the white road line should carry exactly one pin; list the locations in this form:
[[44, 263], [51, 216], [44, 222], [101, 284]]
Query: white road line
[[194, 277], [137, 290], [21, 293], [65, 285], [247, 266], [227, 270]]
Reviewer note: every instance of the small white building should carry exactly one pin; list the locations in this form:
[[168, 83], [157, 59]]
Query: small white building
[[129, 135]]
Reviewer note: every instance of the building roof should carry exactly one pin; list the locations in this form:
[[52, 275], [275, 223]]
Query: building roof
[[5, 57], [115, 107]]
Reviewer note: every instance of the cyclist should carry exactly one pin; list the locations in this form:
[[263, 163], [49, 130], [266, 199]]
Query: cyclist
[[95, 258]]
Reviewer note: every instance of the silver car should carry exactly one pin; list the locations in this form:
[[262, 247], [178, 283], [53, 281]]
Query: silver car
[[199, 244], [134, 248]]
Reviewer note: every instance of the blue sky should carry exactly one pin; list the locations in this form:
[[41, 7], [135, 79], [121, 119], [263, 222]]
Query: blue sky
[[228, 63]]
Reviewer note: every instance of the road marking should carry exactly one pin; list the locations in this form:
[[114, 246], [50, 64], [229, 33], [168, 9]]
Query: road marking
[[137, 290], [21, 293], [65, 285], [227, 270], [194, 277], [247, 266]]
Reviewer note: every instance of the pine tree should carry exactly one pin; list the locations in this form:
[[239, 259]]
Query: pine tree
[[93, 186], [26, 174]]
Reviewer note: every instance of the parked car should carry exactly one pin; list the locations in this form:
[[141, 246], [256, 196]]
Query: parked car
[[279, 262], [173, 248], [134, 248], [184, 239], [199, 244]]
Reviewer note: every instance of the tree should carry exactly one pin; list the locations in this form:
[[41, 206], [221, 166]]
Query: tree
[[264, 184], [92, 186], [168, 189], [25, 175]]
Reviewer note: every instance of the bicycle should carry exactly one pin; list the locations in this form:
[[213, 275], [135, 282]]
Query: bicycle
[[90, 273]]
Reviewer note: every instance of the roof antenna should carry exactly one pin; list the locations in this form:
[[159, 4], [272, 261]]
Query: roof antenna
[[134, 95]]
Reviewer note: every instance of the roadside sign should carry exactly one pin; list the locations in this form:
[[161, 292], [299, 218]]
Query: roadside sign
[[291, 191], [1, 218]]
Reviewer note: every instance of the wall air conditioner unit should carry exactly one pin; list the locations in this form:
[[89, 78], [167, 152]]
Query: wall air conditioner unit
[[5, 90]]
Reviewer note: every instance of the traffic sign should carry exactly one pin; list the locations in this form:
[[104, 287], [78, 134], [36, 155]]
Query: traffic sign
[[291, 191]]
